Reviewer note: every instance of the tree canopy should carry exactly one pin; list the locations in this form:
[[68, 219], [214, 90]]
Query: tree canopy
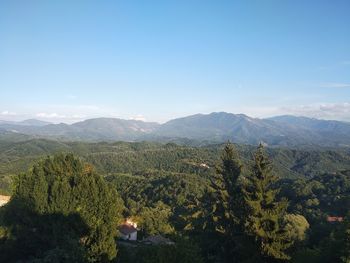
[[62, 210]]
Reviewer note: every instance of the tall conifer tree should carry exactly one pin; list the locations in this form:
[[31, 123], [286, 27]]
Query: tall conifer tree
[[264, 220], [229, 173], [229, 202]]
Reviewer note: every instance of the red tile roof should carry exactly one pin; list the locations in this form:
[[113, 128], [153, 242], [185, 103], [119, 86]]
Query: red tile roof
[[335, 219]]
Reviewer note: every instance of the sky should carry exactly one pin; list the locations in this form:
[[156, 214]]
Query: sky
[[65, 61]]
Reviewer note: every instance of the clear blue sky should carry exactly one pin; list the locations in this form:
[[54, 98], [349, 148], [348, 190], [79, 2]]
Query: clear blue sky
[[71, 60]]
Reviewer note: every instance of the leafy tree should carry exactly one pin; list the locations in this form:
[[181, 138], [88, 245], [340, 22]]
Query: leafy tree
[[345, 241], [307, 255], [183, 251], [264, 221], [155, 220], [296, 227], [62, 210]]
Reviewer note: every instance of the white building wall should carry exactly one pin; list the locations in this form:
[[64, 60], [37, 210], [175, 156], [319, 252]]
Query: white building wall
[[133, 236]]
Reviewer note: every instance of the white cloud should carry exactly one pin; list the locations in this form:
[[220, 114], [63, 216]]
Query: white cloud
[[334, 66], [335, 85], [78, 116], [329, 111], [59, 113], [50, 115], [338, 111], [69, 113], [322, 110], [138, 117], [8, 113], [60, 117]]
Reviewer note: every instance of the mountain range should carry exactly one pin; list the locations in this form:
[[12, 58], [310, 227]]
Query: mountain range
[[211, 128]]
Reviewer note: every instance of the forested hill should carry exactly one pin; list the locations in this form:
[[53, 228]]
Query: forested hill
[[217, 127], [169, 189], [140, 157]]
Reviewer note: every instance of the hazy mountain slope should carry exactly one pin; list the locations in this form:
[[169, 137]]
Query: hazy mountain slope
[[313, 124], [114, 129], [10, 137], [240, 128], [99, 129], [215, 125], [327, 130], [202, 128], [29, 122], [53, 131], [34, 122]]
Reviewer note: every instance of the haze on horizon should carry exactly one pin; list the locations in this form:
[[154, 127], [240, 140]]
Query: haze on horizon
[[67, 61]]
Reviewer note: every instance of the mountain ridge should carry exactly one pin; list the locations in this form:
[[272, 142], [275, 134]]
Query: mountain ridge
[[285, 130]]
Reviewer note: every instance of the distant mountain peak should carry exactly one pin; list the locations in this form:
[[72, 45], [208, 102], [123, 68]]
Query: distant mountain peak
[[34, 122], [286, 130]]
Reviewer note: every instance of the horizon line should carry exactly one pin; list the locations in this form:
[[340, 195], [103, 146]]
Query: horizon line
[[158, 122]]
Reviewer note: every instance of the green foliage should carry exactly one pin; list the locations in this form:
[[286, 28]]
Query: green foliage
[[138, 157], [228, 186], [155, 220], [159, 201], [183, 251], [307, 255], [62, 209], [227, 210], [296, 227], [345, 241], [264, 221]]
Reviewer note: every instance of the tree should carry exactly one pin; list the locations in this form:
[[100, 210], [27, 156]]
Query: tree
[[228, 188], [184, 250], [345, 240], [264, 221], [155, 220], [296, 227], [62, 210], [227, 208]]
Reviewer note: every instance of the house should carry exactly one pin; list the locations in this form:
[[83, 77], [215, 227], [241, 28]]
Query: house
[[128, 230], [333, 219], [157, 240], [4, 199], [204, 165]]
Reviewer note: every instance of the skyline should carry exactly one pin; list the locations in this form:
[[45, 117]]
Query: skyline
[[65, 62], [14, 118]]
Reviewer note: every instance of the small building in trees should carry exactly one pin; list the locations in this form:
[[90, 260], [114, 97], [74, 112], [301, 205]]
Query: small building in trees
[[204, 165], [4, 199], [128, 230], [335, 219]]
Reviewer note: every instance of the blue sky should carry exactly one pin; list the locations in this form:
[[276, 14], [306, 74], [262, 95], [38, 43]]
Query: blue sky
[[64, 61]]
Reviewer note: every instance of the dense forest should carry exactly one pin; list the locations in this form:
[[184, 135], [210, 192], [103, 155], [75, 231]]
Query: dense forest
[[17, 156], [217, 203]]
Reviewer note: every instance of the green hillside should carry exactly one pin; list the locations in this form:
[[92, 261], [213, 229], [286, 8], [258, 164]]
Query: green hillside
[[124, 157]]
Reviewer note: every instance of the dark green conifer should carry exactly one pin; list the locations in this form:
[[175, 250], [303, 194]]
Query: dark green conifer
[[264, 220], [228, 188], [228, 207]]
